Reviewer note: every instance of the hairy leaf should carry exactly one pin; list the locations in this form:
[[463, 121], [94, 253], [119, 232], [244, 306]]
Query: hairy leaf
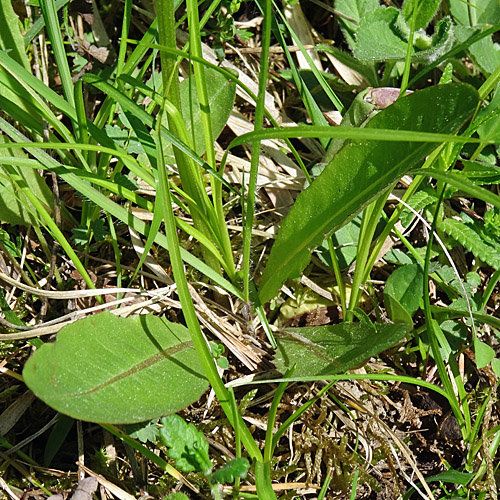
[[144, 431], [383, 35], [353, 11], [420, 10]]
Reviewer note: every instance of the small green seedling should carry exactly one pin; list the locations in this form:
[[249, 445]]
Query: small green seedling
[[189, 448]]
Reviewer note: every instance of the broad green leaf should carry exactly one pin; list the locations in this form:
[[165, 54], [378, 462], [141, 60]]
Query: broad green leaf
[[221, 93], [473, 13], [332, 349], [404, 285], [420, 10], [484, 353], [396, 256], [484, 52], [114, 370], [14, 207], [383, 34], [360, 171], [187, 445], [353, 11]]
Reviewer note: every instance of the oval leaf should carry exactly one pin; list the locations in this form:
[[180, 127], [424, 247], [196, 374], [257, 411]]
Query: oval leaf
[[360, 171], [114, 370], [332, 349], [404, 288]]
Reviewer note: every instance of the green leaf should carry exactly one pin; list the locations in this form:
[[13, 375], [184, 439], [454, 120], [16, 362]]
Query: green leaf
[[357, 115], [359, 171], [115, 370], [333, 349], [473, 237], [420, 10], [396, 256], [345, 241], [405, 286], [418, 201], [236, 468], [495, 366], [484, 52], [57, 437], [221, 93], [12, 45], [484, 353], [10, 36], [488, 119], [396, 311], [460, 182], [144, 431], [456, 333], [123, 137], [352, 11], [452, 476], [383, 35], [14, 207], [473, 13], [187, 446], [480, 172]]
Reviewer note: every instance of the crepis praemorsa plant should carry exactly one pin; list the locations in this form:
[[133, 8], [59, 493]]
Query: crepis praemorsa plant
[[124, 360]]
